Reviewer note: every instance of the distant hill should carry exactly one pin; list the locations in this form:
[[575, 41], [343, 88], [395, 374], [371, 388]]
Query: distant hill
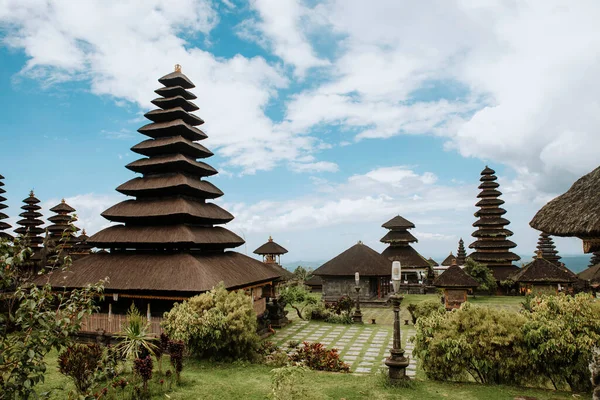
[[291, 266]]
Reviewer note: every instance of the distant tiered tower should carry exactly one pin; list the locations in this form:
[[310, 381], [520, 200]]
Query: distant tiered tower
[[595, 260], [399, 240], [3, 225], [82, 247], [30, 228], [546, 248], [62, 231], [461, 255], [492, 248]]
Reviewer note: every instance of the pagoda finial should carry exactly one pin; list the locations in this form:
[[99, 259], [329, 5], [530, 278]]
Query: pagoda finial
[[63, 200], [31, 194], [83, 231], [453, 262], [177, 68], [539, 254], [270, 238], [360, 242]]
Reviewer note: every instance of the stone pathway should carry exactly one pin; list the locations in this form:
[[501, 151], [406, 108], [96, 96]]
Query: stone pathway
[[411, 370], [363, 347]]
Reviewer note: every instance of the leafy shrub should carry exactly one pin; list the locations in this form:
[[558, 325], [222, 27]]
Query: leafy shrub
[[412, 308], [267, 347], [143, 367], [292, 344], [286, 383], [483, 342], [560, 334], [216, 324], [344, 318], [425, 309], [343, 305], [81, 362], [317, 312], [298, 297], [176, 348], [316, 356]]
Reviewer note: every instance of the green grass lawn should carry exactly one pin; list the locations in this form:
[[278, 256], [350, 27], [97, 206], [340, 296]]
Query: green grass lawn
[[205, 380]]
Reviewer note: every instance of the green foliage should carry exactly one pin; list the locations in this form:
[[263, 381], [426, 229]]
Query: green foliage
[[344, 318], [482, 274], [286, 383], [135, 337], [318, 357], [217, 324], [82, 363], [560, 334], [425, 309], [33, 321], [483, 342], [343, 305], [298, 297], [302, 274]]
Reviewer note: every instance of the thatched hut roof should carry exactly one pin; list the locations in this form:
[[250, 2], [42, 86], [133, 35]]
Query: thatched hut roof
[[314, 281], [398, 222], [448, 260], [270, 248], [574, 213], [407, 256], [591, 274], [358, 258], [543, 271], [432, 262], [455, 277]]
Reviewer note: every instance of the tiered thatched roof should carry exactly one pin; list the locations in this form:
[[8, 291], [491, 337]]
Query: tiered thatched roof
[[358, 258], [62, 231], [399, 240], [168, 239], [448, 260], [541, 270], [82, 246], [30, 225], [574, 213], [454, 277], [461, 255], [492, 248], [546, 247], [3, 225]]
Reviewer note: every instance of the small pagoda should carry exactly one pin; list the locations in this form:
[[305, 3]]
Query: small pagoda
[[167, 243], [492, 248], [81, 248], [61, 232], [415, 267], [3, 225], [271, 252], [31, 230], [546, 247], [543, 276], [456, 284], [461, 254], [448, 260]]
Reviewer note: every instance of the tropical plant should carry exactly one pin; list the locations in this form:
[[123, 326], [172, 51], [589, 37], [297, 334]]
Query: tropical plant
[[298, 297], [482, 274], [34, 320], [81, 362], [286, 383], [143, 368], [217, 324], [302, 274], [425, 309], [317, 356], [135, 338]]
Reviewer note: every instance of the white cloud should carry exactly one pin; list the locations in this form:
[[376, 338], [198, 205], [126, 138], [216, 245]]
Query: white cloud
[[320, 166], [122, 48], [279, 26]]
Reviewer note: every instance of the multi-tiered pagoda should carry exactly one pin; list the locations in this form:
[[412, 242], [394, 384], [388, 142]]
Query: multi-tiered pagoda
[[415, 267], [461, 254], [167, 244], [492, 248], [547, 249], [30, 228], [3, 225], [81, 247], [61, 232]]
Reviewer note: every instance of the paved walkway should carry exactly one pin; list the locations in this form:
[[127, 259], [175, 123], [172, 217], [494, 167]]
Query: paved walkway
[[363, 347]]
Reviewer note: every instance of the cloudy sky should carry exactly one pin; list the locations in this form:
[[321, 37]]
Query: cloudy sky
[[326, 118]]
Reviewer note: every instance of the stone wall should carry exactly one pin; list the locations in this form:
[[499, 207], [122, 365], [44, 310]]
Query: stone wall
[[336, 287]]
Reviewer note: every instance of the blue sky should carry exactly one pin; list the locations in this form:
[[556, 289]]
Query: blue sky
[[326, 118]]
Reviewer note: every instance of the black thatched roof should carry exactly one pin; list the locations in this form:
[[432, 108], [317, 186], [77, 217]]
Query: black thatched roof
[[574, 213], [29, 226], [432, 262], [399, 237], [448, 260], [591, 274], [407, 256], [543, 271], [398, 222], [358, 258], [546, 247], [314, 281], [176, 272], [270, 248], [461, 254], [491, 245], [455, 277]]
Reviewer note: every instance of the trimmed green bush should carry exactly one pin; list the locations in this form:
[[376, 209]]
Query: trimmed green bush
[[218, 324]]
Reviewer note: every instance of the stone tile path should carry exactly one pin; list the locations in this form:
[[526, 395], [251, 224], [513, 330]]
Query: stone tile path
[[363, 347]]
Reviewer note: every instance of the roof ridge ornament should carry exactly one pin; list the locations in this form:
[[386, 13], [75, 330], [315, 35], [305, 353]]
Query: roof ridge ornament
[[177, 68]]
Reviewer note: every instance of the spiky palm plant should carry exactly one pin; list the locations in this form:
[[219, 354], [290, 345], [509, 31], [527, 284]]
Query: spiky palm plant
[[135, 336]]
